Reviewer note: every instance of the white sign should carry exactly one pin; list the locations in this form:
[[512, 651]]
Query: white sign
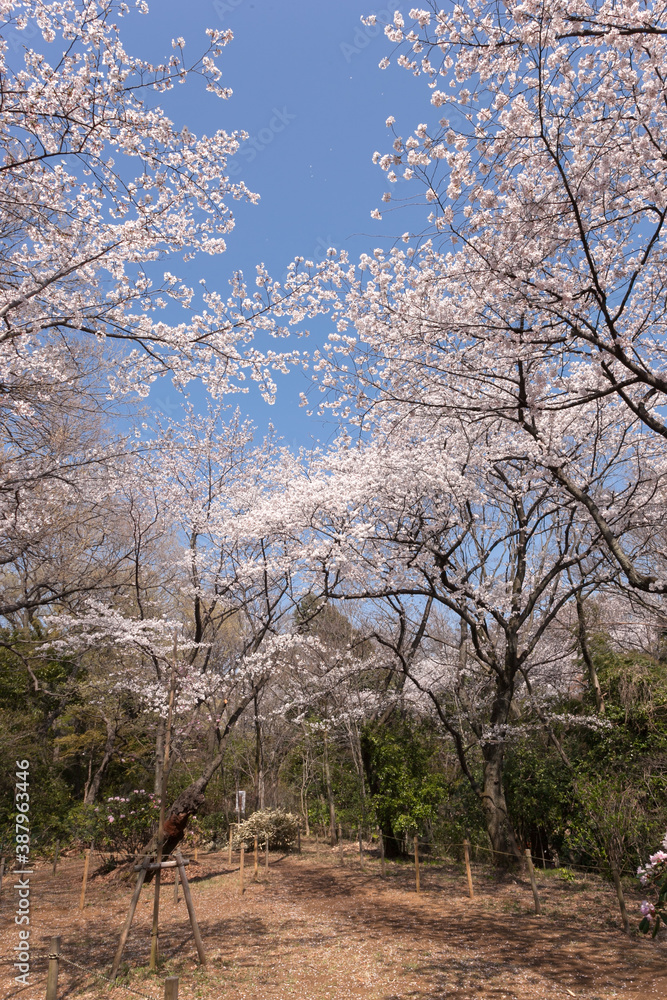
[[240, 803]]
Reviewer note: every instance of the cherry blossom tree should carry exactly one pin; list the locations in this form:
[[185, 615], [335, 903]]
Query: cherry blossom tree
[[537, 283], [433, 513], [101, 191]]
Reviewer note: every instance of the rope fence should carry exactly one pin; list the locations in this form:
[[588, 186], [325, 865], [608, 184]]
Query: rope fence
[[616, 872], [56, 958]]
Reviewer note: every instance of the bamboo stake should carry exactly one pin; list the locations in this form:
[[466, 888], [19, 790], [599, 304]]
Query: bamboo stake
[[86, 863], [533, 882], [52, 976], [416, 843], [128, 919], [191, 910], [466, 851], [256, 853], [383, 872], [620, 895], [241, 867]]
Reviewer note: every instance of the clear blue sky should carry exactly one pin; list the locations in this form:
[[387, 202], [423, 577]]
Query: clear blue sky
[[308, 90]]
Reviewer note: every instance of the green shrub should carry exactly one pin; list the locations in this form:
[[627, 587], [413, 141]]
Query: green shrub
[[123, 824]]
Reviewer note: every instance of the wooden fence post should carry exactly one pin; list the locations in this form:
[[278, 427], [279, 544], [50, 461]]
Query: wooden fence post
[[52, 976], [2, 872], [256, 850], [55, 857], [266, 854], [416, 843], [298, 840], [533, 882], [231, 835], [381, 843], [361, 849], [619, 893], [241, 863], [171, 988], [175, 885], [466, 851], [340, 844], [82, 900]]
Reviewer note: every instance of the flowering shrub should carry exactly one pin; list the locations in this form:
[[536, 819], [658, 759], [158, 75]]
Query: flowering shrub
[[122, 824], [654, 876], [279, 826]]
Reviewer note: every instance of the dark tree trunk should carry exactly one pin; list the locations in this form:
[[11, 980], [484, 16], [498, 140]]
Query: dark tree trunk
[[498, 825], [327, 778], [192, 798], [93, 785]]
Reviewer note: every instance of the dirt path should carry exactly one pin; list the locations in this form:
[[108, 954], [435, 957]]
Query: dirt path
[[314, 930]]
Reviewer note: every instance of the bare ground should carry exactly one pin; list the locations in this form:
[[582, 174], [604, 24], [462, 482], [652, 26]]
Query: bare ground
[[313, 929]]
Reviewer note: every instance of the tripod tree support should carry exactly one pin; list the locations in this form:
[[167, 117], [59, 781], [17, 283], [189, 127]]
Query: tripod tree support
[[128, 919], [191, 910]]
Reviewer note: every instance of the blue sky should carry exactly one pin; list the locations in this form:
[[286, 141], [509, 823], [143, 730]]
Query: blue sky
[[308, 89]]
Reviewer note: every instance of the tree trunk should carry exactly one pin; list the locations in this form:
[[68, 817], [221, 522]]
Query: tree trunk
[[327, 778], [259, 760], [93, 784], [159, 754], [191, 798], [586, 656], [498, 825]]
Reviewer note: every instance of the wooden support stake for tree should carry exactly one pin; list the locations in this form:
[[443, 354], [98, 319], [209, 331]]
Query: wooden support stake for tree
[[256, 853], [533, 882], [229, 859], [176, 886], [171, 988], [241, 862], [619, 893], [340, 844], [383, 872], [52, 975], [155, 930], [416, 843], [86, 863], [266, 855], [128, 919], [298, 840], [196, 852], [361, 849], [191, 909], [55, 857], [466, 851]]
